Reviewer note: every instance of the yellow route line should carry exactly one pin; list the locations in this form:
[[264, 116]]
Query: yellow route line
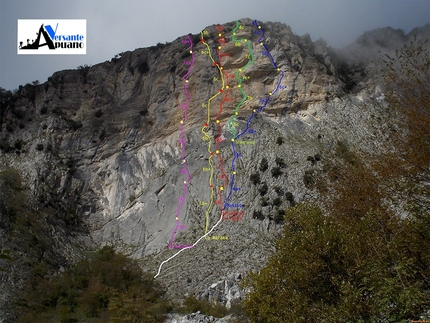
[[205, 135]]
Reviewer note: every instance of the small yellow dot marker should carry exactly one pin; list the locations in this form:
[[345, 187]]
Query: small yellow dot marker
[[185, 182], [227, 87], [220, 68], [220, 34], [270, 93], [217, 121], [232, 139], [259, 27], [186, 81], [236, 113], [182, 121], [261, 44], [219, 47], [183, 160], [177, 218], [240, 70], [191, 51], [234, 34], [239, 86], [255, 110], [278, 69], [221, 188], [234, 173], [246, 39], [217, 151]]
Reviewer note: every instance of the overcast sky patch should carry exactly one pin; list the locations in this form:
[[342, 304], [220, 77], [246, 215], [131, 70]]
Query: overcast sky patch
[[117, 26]]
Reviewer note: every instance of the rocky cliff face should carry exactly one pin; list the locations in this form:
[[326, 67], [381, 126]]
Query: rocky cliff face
[[162, 151]]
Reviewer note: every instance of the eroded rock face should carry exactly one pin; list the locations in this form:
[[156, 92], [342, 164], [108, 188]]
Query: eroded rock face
[[111, 151]]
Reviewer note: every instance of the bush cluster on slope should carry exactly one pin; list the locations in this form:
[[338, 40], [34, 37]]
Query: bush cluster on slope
[[366, 269], [367, 258], [107, 287]]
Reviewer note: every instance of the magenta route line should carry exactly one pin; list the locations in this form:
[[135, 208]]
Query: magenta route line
[[184, 170], [264, 103]]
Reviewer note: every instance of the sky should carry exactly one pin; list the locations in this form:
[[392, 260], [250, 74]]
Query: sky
[[122, 25]]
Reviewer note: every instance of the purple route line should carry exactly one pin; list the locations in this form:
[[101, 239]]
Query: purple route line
[[182, 141], [264, 102]]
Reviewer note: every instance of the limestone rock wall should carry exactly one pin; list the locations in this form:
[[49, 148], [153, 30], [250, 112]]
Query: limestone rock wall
[[103, 142]]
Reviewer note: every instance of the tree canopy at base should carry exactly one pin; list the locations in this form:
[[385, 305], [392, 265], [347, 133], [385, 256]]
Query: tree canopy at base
[[367, 257], [368, 269], [107, 287]]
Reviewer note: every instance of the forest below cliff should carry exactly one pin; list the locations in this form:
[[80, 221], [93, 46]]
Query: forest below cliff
[[360, 252]]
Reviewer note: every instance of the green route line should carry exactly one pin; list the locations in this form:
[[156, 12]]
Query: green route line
[[240, 80], [206, 136]]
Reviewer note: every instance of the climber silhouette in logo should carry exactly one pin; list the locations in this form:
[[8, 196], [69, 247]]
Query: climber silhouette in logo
[[36, 43]]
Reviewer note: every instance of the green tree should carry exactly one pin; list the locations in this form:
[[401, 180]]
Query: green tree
[[276, 171], [367, 259], [407, 88], [264, 164], [12, 197], [107, 287], [368, 269], [6, 99], [255, 178]]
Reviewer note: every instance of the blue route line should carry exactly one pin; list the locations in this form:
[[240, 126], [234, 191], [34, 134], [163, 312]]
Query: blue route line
[[265, 103]]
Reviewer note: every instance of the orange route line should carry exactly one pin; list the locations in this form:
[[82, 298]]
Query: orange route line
[[207, 137]]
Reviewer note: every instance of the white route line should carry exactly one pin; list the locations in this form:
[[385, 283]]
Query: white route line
[[192, 246]]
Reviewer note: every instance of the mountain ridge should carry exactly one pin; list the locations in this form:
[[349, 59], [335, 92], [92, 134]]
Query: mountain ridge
[[99, 152]]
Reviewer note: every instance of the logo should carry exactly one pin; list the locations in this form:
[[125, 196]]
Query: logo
[[52, 36]]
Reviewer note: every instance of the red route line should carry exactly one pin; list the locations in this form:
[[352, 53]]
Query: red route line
[[223, 174], [232, 215], [225, 215]]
